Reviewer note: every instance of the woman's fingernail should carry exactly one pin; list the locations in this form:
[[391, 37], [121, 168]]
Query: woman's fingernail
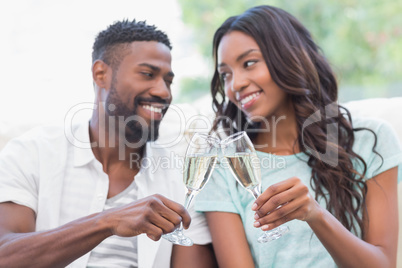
[[257, 224], [265, 227], [254, 207], [256, 217]]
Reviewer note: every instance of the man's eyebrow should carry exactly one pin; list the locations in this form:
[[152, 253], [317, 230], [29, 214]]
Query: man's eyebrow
[[240, 57], [155, 68]]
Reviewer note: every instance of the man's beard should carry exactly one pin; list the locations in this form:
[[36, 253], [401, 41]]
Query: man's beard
[[136, 130]]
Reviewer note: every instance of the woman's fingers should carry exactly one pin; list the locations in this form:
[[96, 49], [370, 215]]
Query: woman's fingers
[[284, 202], [289, 211], [279, 194], [272, 191]]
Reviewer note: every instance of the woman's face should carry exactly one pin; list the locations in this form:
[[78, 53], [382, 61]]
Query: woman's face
[[247, 81]]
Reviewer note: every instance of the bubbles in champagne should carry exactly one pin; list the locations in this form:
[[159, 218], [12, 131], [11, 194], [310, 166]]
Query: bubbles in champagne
[[198, 169], [245, 168]]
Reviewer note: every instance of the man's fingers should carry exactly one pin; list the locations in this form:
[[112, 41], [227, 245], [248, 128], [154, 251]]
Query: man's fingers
[[169, 215], [179, 210], [153, 232]]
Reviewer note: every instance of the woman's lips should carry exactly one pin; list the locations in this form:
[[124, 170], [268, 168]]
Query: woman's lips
[[247, 101]]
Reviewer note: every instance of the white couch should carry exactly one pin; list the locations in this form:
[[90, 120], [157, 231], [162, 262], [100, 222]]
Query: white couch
[[185, 119]]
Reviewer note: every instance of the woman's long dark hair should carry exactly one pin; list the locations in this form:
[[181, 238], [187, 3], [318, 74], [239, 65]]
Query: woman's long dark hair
[[298, 67]]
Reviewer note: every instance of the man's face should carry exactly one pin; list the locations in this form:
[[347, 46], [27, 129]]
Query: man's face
[[140, 92]]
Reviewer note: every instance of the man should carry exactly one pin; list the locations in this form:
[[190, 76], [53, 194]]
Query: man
[[82, 197]]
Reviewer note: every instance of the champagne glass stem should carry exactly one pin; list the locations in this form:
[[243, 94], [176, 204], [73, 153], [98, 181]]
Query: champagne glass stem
[[255, 191], [189, 198], [187, 201], [274, 233], [177, 236]]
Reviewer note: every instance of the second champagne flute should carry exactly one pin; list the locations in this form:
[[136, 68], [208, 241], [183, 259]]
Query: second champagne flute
[[245, 167], [199, 163]]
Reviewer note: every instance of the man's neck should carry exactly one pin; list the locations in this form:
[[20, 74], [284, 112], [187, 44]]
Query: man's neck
[[120, 162], [111, 149]]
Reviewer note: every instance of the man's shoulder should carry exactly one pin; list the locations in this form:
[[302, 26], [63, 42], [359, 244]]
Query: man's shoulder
[[163, 163], [44, 133], [166, 150], [48, 136]]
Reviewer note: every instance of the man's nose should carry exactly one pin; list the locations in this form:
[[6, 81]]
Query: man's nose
[[161, 90]]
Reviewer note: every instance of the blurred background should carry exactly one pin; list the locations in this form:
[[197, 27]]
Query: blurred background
[[46, 46]]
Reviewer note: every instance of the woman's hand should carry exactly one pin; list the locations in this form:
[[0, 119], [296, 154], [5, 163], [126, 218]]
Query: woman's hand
[[283, 202]]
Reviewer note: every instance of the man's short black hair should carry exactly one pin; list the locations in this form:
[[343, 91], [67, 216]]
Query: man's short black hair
[[110, 45]]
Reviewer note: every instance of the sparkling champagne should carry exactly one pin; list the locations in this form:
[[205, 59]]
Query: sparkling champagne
[[198, 169], [245, 168]]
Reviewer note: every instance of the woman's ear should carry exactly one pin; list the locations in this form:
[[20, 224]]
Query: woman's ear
[[101, 74]]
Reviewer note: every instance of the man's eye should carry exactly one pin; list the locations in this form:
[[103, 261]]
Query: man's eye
[[249, 63], [147, 74]]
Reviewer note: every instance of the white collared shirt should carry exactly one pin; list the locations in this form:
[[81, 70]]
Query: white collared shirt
[[53, 171]]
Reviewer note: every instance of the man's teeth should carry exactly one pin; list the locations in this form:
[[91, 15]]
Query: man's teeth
[[152, 109], [249, 98]]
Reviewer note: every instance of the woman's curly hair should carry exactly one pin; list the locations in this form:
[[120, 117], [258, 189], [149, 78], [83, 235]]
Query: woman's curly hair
[[298, 67]]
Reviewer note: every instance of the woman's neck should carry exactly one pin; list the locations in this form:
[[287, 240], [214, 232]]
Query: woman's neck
[[279, 133]]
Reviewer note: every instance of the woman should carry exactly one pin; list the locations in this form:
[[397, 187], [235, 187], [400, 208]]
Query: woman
[[333, 179]]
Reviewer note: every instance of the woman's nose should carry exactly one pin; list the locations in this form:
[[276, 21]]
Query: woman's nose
[[239, 82]]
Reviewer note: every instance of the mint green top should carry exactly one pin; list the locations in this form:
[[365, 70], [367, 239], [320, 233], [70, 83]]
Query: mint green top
[[300, 247]]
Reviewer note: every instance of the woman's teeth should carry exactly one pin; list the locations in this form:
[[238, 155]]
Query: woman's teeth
[[152, 109], [249, 98]]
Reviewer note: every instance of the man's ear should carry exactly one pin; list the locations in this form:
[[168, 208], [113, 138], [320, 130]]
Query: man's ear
[[101, 74]]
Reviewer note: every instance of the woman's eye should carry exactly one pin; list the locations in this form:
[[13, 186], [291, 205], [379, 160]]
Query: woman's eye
[[224, 76], [249, 63]]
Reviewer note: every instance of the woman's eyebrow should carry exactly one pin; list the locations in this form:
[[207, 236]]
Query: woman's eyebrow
[[240, 57], [244, 54]]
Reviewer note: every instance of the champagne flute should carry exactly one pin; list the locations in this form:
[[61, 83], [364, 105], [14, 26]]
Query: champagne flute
[[199, 163], [245, 167]]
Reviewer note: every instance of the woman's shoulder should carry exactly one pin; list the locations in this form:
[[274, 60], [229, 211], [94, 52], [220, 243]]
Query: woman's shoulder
[[373, 123], [379, 146], [370, 132], [365, 126]]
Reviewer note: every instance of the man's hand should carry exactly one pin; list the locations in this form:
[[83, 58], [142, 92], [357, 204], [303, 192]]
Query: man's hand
[[154, 215], [21, 246]]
